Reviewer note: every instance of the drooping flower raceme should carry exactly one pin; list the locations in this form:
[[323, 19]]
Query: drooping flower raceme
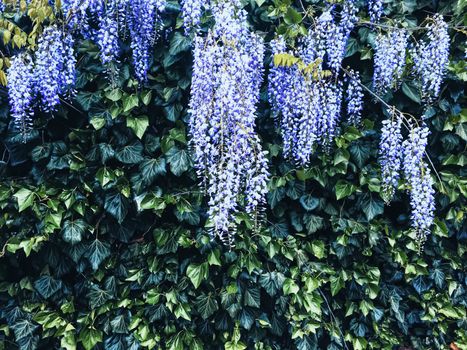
[[107, 33], [330, 37], [192, 11], [308, 109], [417, 175], [21, 89], [227, 75], [390, 155], [143, 22], [375, 9], [389, 59], [54, 66], [431, 57], [354, 98]]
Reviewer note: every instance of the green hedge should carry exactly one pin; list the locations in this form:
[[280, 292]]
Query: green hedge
[[102, 222]]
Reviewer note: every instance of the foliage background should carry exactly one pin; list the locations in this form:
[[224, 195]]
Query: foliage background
[[102, 220]]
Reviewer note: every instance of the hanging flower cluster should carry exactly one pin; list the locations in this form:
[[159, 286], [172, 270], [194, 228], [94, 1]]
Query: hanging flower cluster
[[105, 21], [192, 11], [309, 100], [389, 59], [354, 98], [408, 155], [375, 9], [431, 58], [44, 77], [21, 89], [227, 74], [417, 174], [54, 66], [390, 155]]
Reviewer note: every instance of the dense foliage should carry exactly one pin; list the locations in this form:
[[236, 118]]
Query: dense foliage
[[106, 231]]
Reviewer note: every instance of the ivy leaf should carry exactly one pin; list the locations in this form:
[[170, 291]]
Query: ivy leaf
[[131, 154], [97, 252], [411, 91], [73, 231], [130, 102], [179, 160], [313, 223], [23, 328], [344, 189], [150, 169], [90, 337], [179, 43], [197, 273], [290, 287], [138, 125], [371, 206], [279, 229], [251, 297], [25, 199], [337, 283], [87, 99], [47, 286], [308, 202], [206, 305], [275, 196], [117, 206]]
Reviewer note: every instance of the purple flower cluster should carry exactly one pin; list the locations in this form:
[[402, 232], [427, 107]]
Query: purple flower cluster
[[107, 33], [144, 20], [21, 89], [354, 98], [330, 38], [192, 11], [431, 58], [54, 66], [114, 17], [227, 74], [418, 177], [390, 155], [389, 59], [310, 108], [375, 9], [47, 75]]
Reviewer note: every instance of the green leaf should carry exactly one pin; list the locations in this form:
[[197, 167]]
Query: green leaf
[[290, 287], [318, 249], [114, 95], [117, 206], [25, 199], [131, 154], [206, 305], [179, 160], [150, 169], [47, 286], [73, 231], [130, 102], [411, 91], [87, 99], [97, 252], [179, 43], [308, 202], [197, 273], [313, 223], [252, 297], [344, 189], [371, 205], [337, 283], [138, 125], [90, 337]]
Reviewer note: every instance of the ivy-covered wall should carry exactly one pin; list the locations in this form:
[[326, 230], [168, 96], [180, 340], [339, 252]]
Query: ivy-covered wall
[[103, 242]]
